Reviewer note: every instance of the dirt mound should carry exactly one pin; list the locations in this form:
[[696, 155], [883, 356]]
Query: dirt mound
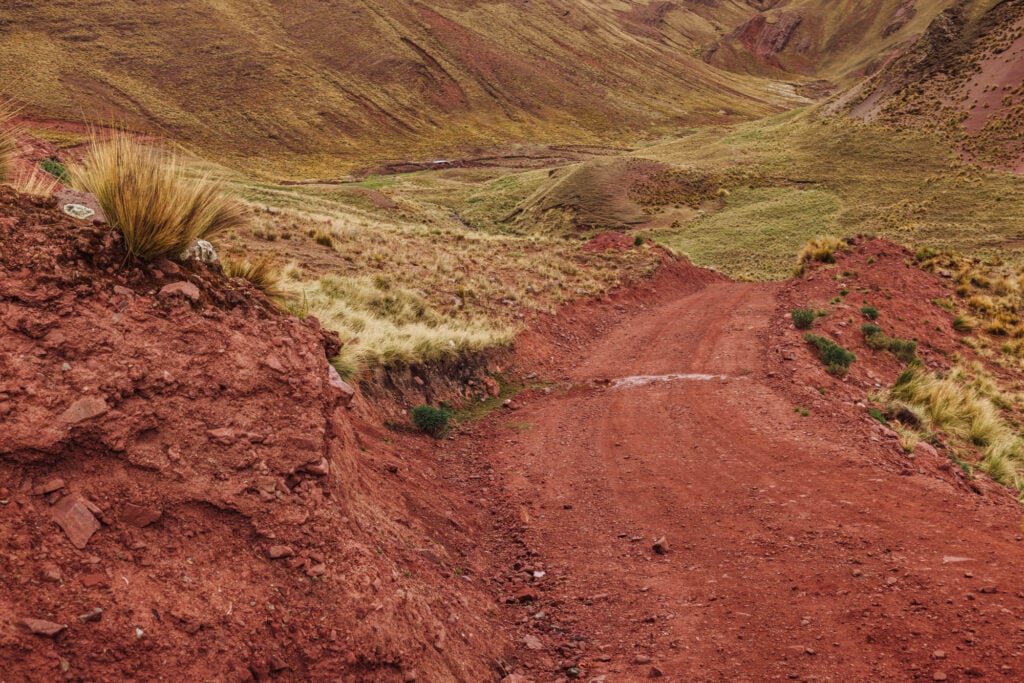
[[963, 76], [185, 492], [614, 194]]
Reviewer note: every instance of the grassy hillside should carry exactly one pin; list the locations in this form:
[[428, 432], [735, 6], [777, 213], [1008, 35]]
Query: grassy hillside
[[306, 88]]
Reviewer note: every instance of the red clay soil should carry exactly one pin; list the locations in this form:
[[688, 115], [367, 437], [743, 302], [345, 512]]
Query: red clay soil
[[186, 497], [695, 527]]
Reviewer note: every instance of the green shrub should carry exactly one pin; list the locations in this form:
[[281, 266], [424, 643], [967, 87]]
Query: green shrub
[[638, 241], [56, 169], [870, 312], [433, 421], [803, 318], [835, 358], [904, 349]]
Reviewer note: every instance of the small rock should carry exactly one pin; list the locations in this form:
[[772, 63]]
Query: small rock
[[84, 409], [65, 367], [200, 250], [660, 546], [320, 468], [76, 520], [516, 678], [344, 388], [49, 487], [95, 614], [891, 581], [988, 590], [183, 288], [67, 197], [532, 642], [316, 570], [810, 651], [656, 673], [939, 676], [139, 516], [278, 552], [225, 436], [95, 580], [939, 654], [527, 595], [41, 627], [640, 660], [924, 448], [51, 572]]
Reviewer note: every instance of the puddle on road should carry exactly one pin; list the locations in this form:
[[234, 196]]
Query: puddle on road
[[644, 380]]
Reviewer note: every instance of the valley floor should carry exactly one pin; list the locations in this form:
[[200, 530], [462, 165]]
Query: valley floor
[[802, 548]]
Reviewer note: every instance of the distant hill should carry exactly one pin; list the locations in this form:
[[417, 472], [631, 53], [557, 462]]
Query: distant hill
[[965, 76], [312, 87]]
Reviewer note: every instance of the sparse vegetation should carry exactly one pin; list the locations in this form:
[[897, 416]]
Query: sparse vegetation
[[874, 337], [803, 318], [56, 169], [148, 195], [820, 249], [433, 421], [965, 409], [261, 273], [834, 357], [869, 312]]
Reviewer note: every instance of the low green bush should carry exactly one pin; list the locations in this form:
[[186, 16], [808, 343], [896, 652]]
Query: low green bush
[[56, 169], [870, 312], [904, 349], [803, 318], [835, 358], [433, 421]]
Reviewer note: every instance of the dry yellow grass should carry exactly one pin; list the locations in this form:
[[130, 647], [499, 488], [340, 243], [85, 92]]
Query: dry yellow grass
[[821, 249], [148, 195], [963, 403], [260, 272], [8, 144]]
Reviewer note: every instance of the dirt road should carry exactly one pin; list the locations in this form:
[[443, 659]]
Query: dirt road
[[794, 550]]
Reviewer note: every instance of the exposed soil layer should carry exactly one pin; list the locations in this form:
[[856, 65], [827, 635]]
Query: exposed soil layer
[[189, 494], [662, 510]]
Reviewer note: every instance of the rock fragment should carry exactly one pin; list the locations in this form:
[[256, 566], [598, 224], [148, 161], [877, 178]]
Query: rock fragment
[[76, 520], [278, 552], [183, 288], [41, 627], [140, 516], [84, 409]]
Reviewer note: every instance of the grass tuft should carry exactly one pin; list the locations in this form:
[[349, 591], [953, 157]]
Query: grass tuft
[[150, 197], [820, 249], [8, 143], [961, 408], [836, 359], [261, 273]]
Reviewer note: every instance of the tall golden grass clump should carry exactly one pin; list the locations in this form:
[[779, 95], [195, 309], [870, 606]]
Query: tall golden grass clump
[[8, 144], [150, 196], [961, 408], [821, 249], [261, 273]]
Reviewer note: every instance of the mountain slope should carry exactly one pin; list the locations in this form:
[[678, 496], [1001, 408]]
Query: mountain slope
[[307, 87], [965, 76]]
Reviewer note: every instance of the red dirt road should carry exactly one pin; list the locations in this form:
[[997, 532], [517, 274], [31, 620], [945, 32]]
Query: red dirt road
[[799, 547]]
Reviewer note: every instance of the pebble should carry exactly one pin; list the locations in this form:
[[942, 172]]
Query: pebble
[[939, 654], [139, 516], [656, 673], [660, 546], [49, 487], [641, 660], [185, 289], [939, 676], [95, 614], [277, 552], [41, 627]]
